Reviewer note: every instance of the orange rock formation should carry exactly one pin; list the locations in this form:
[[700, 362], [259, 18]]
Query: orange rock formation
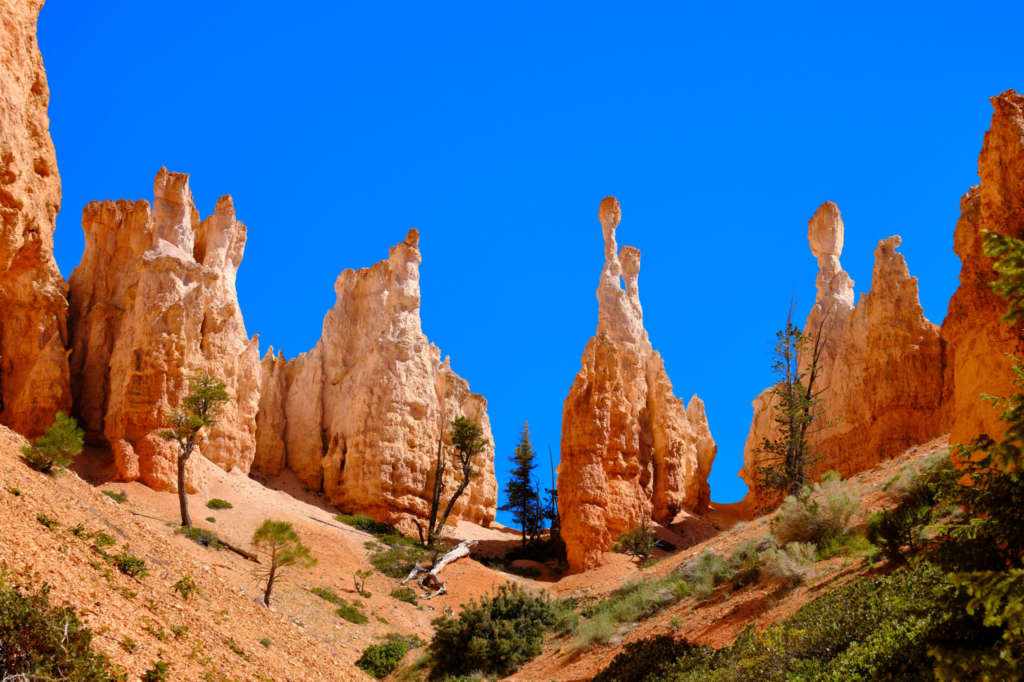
[[631, 450], [881, 371], [977, 342], [359, 415], [153, 301], [34, 379]]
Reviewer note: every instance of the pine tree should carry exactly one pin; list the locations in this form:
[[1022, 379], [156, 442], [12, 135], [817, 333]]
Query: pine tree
[[283, 548], [198, 410], [466, 439], [523, 498], [57, 447]]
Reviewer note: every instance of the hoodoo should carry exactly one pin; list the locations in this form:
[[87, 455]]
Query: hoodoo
[[153, 301], [631, 450], [881, 369], [359, 415]]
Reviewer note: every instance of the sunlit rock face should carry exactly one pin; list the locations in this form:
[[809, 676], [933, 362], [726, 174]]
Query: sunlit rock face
[[977, 341], [358, 417], [152, 302], [881, 377], [34, 378], [631, 450]]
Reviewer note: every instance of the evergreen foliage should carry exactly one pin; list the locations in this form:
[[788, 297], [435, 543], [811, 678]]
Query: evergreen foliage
[[279, 541], [379, 660], [467, 440], [637, 542], [522, 498], [57, 447], [198, 410]]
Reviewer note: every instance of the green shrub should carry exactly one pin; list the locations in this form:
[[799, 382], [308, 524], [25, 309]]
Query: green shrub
[[200, 536], [157, 673], [705, 572], [365, 523], [129, 565], [817, 514], [120, 497], [598, 628], [406, 594], [399, 559], [495, 635], [14, 491], [179, 631], [57, 447], [265, 641], [379, 660], [790, 565], [101, 539], [744, 563], [186, 587], [850, 543], [351, 613], [217, 503], [42, 641], [636, 542], [327, 594], [50, 524]]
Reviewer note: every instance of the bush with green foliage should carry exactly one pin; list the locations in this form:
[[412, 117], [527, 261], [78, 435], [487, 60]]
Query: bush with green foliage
[[158, 672], [495, 635], [636, 542], [705, 572], [40, 641], [398, 559], [101, 539], [819, 512], [406, 594], [635, 601], [129, 564], [186, 587], [120, 497], [57, 447], [790, 565], [365, 523], [217, 503], [744, 563], [351, 612], [200, 536], [51, 524], [379, 660]]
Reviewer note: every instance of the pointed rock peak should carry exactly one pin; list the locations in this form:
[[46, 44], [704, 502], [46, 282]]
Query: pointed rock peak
[[825, 231], [173, 209], [620, 316], [413, 238], [225, 205]]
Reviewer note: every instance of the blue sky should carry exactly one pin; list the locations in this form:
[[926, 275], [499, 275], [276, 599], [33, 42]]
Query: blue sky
[[496, 129]]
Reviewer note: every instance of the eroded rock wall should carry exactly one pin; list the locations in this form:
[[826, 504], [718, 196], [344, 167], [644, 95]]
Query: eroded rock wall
[[631, 450], [359, 415], [881, 370], [34, 377], [977, 341], [153, 301]]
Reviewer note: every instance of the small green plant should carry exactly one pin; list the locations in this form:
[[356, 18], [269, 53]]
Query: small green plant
[[120, 497], [327, 594], [50, 524], [705, 572], [237, 650], [217, 503], [78, 530], [637, 542], [675, 622], [367, 524], [155, 630], [265, 641], [101, 539], [200, 536], [129, 564], [396, 561], [57, 447], [817, 514], [789, 566], [14, 491], [406, 594], [379, 660], [179, 631], [210, 519], [158, 672], [128, 644], [359, 580], [351, 613], [744, 563]]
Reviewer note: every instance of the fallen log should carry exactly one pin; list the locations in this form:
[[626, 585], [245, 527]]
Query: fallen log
[[431, 581]]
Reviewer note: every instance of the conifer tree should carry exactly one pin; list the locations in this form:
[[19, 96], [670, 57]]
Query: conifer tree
[[523, 498], [283, 548]]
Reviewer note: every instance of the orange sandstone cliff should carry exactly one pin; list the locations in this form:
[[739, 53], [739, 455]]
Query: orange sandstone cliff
[[631, 450], [881, 369], [34, 378], [977, 342], [153, 301], [358, 417]]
